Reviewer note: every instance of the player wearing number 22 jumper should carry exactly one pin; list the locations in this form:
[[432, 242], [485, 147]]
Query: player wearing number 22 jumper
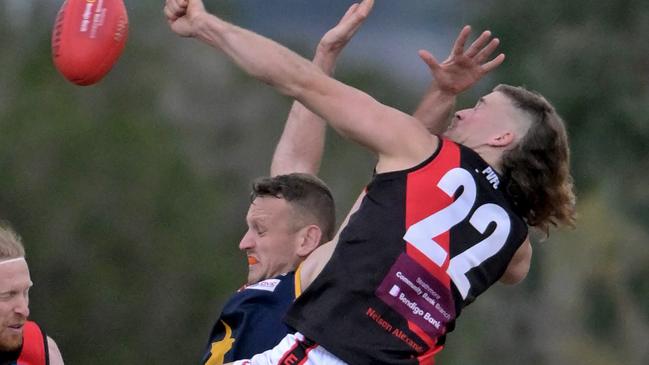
[[455, 197], [443, 219]]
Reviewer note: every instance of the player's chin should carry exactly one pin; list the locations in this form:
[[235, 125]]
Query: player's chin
[[254, 275], [10, 342], [448, 133]]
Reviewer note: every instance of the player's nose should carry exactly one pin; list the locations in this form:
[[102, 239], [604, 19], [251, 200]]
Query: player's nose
[[247, 241], [22, 306]]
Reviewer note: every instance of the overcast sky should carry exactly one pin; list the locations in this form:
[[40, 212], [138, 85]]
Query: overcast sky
[[391, 36]]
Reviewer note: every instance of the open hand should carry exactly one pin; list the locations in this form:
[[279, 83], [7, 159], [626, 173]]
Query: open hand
[[337, 38], [463, 68]]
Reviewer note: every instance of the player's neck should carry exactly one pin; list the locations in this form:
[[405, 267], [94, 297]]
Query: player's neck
[[493, 156]]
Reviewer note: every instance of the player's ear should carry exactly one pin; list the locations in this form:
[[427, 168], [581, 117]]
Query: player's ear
[[502, 140], [309, 239]]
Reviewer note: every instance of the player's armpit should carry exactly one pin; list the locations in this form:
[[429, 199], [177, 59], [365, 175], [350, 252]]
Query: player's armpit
[[313, 265]]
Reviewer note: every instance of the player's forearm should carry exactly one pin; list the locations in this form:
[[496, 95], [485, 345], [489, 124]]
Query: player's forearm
[[301, 145], [325, 59], [435, 110]]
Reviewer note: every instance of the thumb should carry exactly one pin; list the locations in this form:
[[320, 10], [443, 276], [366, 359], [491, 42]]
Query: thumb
[[194, 5]]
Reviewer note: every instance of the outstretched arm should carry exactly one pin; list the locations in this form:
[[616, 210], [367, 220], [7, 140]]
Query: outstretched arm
[[301, 145], [352, 113], [459, 72]]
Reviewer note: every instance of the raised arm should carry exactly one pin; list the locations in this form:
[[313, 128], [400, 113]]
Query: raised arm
[[398, 139], [301, 145], [459, 72]]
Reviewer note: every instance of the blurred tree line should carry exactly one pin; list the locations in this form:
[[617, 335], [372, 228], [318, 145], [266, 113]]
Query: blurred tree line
[[130, 195]]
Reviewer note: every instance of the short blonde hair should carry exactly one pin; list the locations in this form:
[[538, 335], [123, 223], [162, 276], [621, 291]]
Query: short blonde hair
[[11, 245]]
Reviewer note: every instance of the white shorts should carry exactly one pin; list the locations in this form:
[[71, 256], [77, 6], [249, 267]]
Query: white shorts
[[293, 350]]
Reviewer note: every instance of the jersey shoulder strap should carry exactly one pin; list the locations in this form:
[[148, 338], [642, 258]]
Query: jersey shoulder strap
[[35, 351]]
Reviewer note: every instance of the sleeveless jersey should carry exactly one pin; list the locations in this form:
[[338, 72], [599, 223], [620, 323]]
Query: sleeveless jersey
[[34, 350], [251, 320], [424, 243]]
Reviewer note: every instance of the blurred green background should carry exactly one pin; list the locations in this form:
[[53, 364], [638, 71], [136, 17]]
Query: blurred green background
[[131, 194]]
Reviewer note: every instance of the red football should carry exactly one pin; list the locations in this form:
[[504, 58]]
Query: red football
[[88, 38]]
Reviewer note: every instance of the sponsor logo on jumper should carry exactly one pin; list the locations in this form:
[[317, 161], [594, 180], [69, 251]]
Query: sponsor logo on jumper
[[395, 290], [409, 283], [415, 294], [491, 176], [396, 332], [379, 320], [267, 285], [416, 310]]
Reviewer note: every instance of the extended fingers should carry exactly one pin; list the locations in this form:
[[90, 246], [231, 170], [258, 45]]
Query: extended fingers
[[349, 23], [366, 6], [458, 46], [358, 12], [485, 52], [497, 61], [478, 44], [352, 20], [350, 10]]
